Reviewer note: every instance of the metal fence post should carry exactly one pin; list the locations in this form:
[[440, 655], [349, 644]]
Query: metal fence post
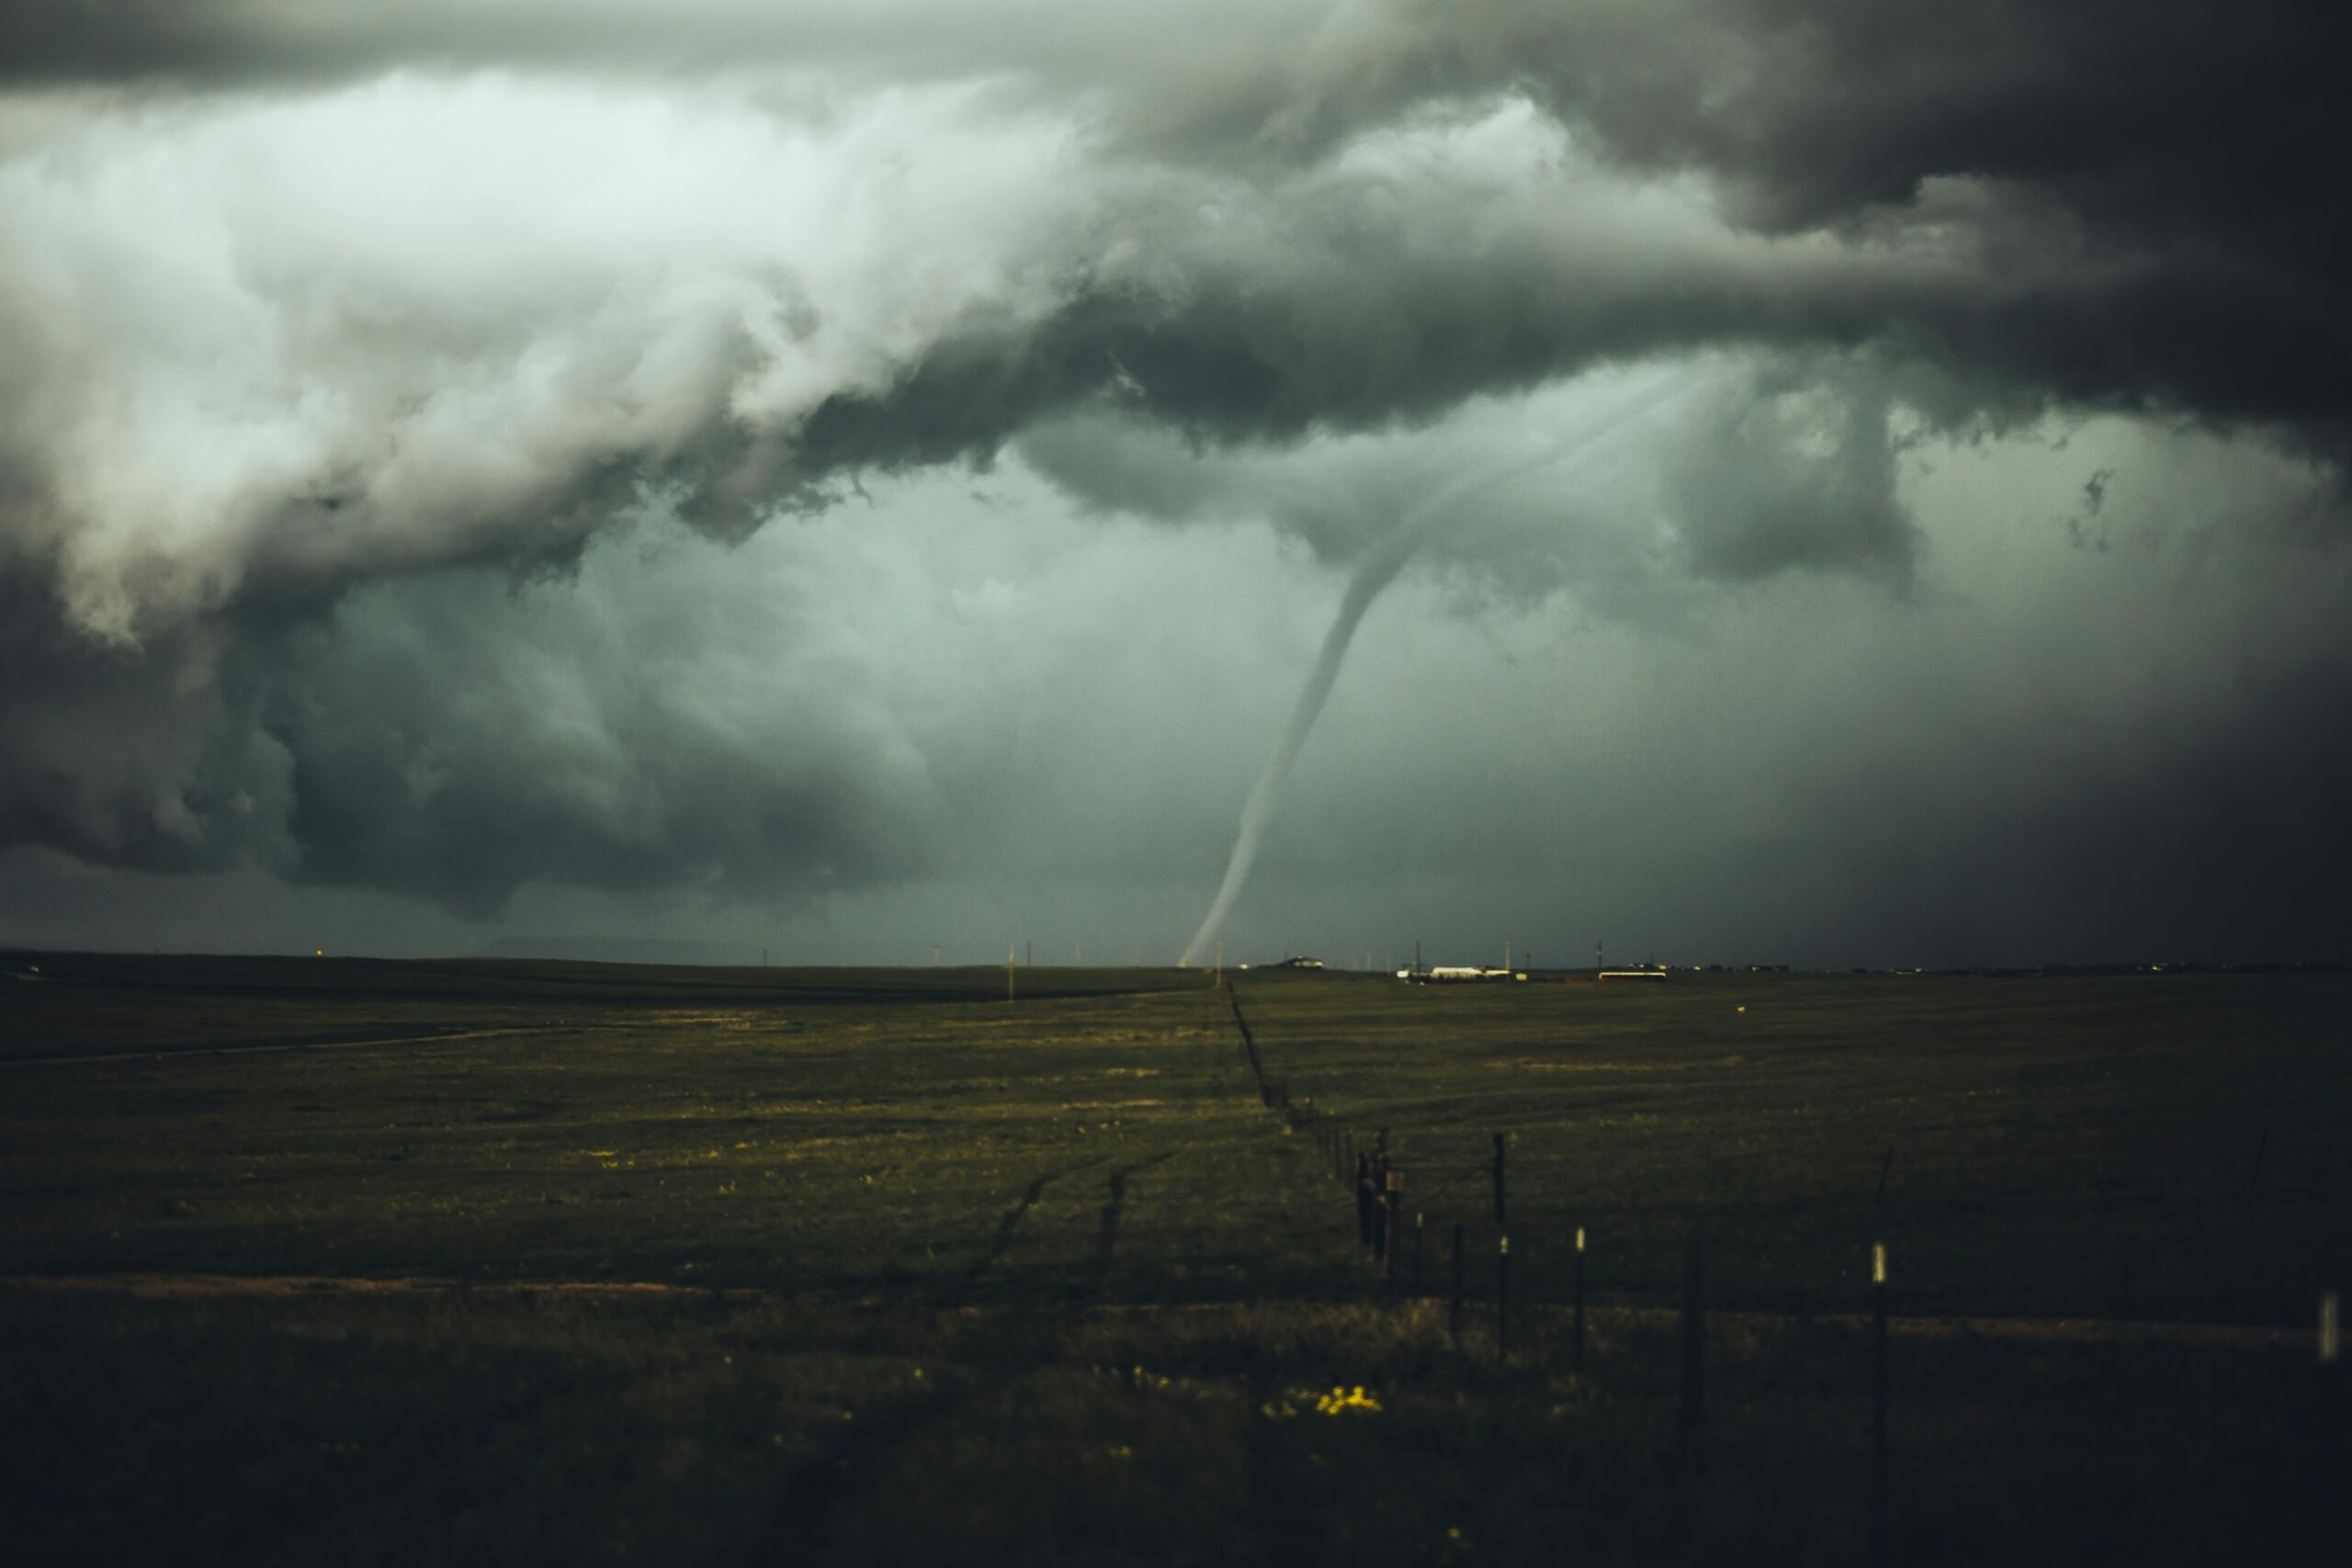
[[1878, 1403], [1694, 1365], [1502, 1299], [1454, 1318], [1392, 1228], [1575, 1362], [1500, 1222]]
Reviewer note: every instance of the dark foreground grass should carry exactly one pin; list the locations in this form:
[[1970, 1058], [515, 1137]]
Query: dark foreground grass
[[499, 1426], [949, 1281]]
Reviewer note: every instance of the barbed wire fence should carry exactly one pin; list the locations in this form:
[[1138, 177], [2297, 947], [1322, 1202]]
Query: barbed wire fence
[[1380, 1184]]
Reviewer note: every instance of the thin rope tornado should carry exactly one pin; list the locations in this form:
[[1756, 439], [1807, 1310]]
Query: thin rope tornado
[[1373, 573]]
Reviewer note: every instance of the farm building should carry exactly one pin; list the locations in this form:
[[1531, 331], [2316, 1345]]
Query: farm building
[[1449, 973]]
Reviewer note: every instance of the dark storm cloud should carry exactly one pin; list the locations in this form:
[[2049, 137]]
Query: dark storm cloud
[[438, 749], [1755, 464], [302, 302], [456, 736], [142, 760], [2221, 843]]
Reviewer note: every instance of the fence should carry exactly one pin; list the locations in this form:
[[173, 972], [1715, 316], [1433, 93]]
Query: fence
[[1381, 1185]]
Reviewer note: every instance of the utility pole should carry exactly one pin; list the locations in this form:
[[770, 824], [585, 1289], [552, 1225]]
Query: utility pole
[[1008, 972], [934, 956]]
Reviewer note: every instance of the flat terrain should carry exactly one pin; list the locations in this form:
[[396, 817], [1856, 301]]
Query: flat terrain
[[329, 1259]]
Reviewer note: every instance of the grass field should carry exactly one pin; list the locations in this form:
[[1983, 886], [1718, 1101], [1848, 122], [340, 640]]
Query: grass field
[[325, 1260]]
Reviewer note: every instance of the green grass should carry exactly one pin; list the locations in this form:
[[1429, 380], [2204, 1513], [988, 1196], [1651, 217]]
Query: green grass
[[953, 1279], [2081, 1148]]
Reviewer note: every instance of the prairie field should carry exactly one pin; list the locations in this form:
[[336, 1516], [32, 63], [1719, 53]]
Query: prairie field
[[308, 1260]]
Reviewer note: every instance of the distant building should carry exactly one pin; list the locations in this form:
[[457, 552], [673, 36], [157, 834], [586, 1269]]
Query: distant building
[[1300, 964], [1633, 974]]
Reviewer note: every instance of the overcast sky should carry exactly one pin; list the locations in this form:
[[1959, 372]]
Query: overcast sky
[[854, 477]]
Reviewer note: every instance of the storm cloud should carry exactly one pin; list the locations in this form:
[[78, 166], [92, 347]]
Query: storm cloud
[[353, 354]]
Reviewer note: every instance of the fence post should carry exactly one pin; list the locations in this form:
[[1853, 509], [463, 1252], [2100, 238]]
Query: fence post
[[1453, 1317], [1392, 1228], [1501, 1298], [1694, 1366], [1576, 1363], [1500, 1223], [1878, 1403]]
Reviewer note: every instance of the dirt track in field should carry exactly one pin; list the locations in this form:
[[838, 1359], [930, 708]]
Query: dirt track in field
[[2041, 1330], [264, 1047]]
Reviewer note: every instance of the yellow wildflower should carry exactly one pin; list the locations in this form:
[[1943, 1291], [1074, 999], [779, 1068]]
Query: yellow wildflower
[[1344, 1399]]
